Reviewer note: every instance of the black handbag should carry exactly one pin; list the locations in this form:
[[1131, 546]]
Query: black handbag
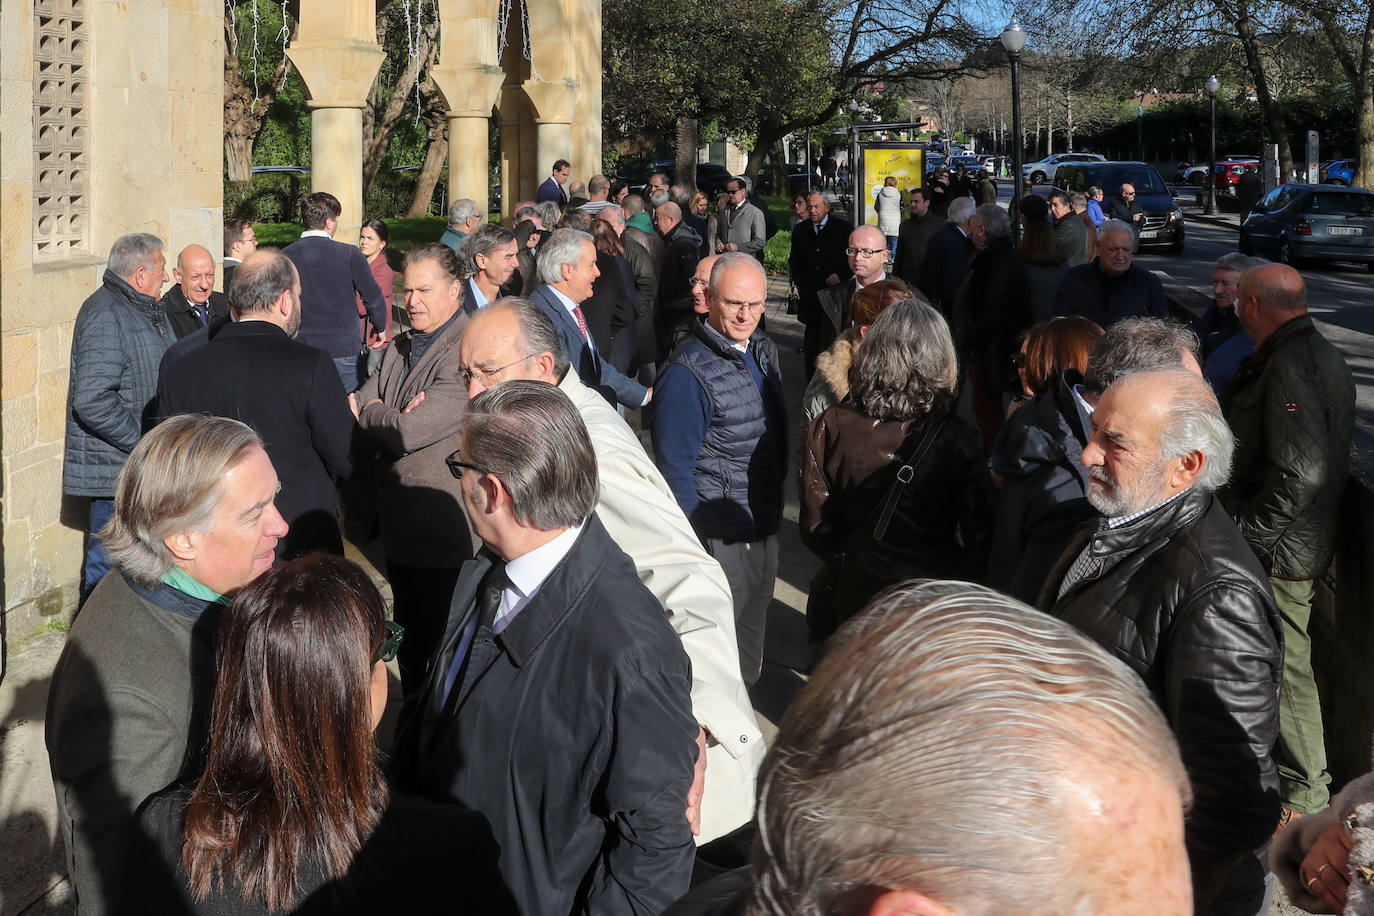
[[821, 617], [793, 299]]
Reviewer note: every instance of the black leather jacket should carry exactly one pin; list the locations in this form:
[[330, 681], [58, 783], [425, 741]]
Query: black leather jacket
[[1183, 602]]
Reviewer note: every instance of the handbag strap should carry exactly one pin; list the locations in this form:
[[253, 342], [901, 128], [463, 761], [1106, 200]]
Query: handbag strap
[[881, 515]]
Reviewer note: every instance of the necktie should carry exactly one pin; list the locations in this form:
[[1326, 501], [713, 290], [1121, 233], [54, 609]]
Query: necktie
[[203, 314], [582, 324], [488, 600]]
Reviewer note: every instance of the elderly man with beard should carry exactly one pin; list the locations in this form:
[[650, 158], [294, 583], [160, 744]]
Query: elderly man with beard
[[1165, 583]]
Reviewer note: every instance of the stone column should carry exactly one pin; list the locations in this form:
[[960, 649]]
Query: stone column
[[553, 114], [513, 187], [338, 74], [554, 142], [470, 95]]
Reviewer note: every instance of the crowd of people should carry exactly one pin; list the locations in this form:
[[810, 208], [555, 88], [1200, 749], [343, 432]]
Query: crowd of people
[[577, 619]]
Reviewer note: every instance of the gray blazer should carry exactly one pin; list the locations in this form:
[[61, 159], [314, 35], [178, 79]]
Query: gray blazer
[[743, 225], [418, 501]]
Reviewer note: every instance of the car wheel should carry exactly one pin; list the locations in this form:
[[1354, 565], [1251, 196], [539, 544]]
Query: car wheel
[[1037, 177], [1286, 255], [1195, 180]]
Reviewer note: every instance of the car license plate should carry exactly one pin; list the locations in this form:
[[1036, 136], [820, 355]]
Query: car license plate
[[1345, 230], [1150, 234]]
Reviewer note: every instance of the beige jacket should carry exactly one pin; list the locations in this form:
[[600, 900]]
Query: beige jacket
[[638, 509], [418, 502]]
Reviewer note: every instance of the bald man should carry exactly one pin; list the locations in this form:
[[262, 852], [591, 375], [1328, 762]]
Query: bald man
[[681, 253], [193, 303], [1291, 404], [867, 253]]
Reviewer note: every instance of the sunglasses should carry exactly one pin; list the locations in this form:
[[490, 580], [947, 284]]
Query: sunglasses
[[395, 635]]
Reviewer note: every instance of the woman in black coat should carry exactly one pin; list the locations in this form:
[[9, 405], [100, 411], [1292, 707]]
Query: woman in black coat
[[1036, 457], [901, 389]]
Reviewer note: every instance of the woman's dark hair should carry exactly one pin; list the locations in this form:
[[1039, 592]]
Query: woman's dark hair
[[293, 776], [607, 242], [1039, 245], [380, 228], [1056, 345], [1034, 209]]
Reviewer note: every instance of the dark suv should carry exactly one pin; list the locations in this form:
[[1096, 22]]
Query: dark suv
[[1163, 223]]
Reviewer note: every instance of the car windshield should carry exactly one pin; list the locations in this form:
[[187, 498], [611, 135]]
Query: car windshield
[[1342, 204], [1145, 179]]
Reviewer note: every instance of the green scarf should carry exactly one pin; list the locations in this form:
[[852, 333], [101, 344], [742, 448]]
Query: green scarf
[[182, 581]]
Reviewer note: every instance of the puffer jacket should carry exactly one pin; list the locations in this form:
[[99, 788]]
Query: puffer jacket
[[1291, 406], [117, 346], [939, 526], [1041, 502], [1181, 600]]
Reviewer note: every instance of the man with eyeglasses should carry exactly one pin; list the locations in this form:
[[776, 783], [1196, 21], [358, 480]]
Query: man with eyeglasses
[[720, 439], [740, 226], [681, 252], [1127, 209], [514, 340], [867, 253]]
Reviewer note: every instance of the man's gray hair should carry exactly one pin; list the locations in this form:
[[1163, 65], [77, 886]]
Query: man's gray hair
[[1061, 196], [550, 213], [597, 184], [537, 332], [996, 223], [526, 212], [460, 211], [170, 484], [936, 747], [1135, 345], [907, 364], [961, 210], [532, 438], [132, 251], [732, 260], [1193, 422], [563, 247], [259, 282], [634, 203], [1115, 225], [1237, 263], [613, 214], [487, 238]]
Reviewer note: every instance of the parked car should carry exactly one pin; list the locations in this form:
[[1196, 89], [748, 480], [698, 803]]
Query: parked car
[[1301, 222], [1163, 224], [1339, 171], [636, 176], [1228, 174], [969, 161], [1195, 175], [1045, 170]]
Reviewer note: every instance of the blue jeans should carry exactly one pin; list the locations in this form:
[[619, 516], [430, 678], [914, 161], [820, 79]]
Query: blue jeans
[[347, 367], [96, 565]]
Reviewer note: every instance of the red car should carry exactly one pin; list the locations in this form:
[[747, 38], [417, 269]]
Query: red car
[[1229, 172]]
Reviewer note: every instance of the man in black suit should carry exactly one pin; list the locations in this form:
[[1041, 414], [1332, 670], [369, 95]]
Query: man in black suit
[[332, 275], [609, 309], [558, 704], [193, 303], [947, 256], [817, 261], [239, 242], [492, 254], [552, 188], [286, 390]]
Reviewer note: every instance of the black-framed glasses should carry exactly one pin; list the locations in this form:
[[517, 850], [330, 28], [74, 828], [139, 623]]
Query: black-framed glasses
[[487, 376], [396, 634], [457, 466], [866, 252]]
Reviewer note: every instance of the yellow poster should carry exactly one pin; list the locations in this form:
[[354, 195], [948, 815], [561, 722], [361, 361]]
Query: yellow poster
[[906, 164]]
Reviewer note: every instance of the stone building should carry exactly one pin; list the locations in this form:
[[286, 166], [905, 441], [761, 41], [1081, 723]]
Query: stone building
[[111, 121]]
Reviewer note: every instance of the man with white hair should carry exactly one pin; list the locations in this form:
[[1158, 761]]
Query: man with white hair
[[947, 256], [1110, 286], [463, 220], [1165, 583], [956, 752], [567, 267]]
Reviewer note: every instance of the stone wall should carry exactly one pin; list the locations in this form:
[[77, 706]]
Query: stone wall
[[151, 124]]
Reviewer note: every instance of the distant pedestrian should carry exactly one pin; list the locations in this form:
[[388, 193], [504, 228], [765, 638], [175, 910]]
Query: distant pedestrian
[[1249, 189], [1127, 209], [1094, 205], [887, 202]]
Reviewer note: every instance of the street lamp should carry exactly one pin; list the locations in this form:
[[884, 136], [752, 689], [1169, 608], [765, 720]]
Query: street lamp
[[854, 159], [1139, 134], [1014, 39], [1212, 85]]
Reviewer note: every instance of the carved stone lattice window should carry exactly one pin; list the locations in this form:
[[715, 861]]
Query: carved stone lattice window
[[60, 157]]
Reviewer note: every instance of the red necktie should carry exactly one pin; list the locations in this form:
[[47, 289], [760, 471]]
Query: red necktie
[[581, 322]]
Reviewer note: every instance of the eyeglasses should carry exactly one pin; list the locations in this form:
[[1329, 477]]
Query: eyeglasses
[[1128, 194], [396, 634], [696, 282], [865, 252], [457, 466], [487, 376], [733, 305]]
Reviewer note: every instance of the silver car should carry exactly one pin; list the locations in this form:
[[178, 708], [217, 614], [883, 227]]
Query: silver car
[[1300, 222]]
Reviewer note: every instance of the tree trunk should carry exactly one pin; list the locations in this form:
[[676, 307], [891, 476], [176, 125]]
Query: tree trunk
[[374, 150], [244, 115], [1254, 62], [1068, 119], [687, 143], [780, 169], [435, 157]]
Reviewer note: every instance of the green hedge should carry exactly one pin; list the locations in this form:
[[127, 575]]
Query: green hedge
[[776, 251]]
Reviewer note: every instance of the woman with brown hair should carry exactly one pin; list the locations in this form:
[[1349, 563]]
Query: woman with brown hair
[[830, 383], [292, 813], [1036, 456]]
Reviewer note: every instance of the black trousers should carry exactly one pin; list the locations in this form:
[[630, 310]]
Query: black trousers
[[422, 597]]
